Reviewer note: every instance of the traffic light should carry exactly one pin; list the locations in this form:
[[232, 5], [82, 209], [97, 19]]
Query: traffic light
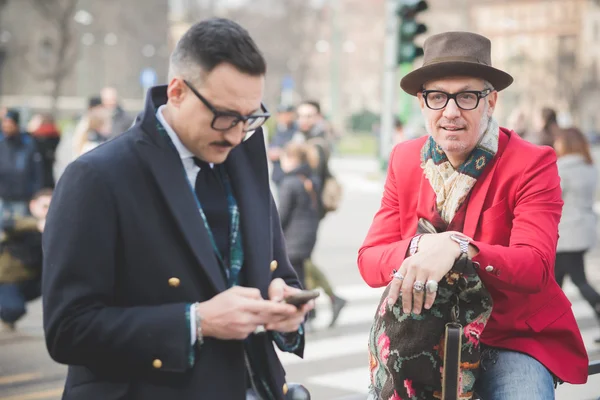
[[409, 28]]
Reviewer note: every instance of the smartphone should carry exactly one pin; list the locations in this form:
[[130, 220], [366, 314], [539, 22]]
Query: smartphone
[[301, 298]]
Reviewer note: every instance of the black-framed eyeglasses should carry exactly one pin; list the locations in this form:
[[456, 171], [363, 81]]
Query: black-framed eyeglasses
[[467, 100], [225, 120]]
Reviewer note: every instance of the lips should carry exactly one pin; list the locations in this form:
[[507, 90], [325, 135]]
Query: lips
[[452, 128]]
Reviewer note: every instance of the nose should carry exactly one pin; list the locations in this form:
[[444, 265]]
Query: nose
[[236, 134], [451, 111]]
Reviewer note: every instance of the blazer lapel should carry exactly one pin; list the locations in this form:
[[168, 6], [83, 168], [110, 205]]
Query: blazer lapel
[[170, 177], [250, 180], [480, 190]]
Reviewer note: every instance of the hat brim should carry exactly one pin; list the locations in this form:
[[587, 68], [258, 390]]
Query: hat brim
[[413, 82]]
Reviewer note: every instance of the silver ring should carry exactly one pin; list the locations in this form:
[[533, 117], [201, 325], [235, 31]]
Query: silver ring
[[431, 286], [418, 286], [398, 276]]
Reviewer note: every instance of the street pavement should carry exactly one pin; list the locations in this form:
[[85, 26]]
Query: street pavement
[[335, 366]]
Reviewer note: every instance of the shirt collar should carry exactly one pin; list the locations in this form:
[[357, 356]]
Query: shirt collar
[[184, 153]]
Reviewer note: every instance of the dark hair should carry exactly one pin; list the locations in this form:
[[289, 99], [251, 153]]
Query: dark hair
[[398, 123], [313, 103], [14, 115], [215, 41], [572, 141], [94, 102], [42, 193]]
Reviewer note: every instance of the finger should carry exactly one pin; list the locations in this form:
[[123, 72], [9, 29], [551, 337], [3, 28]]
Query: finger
[[277, 289], [419, 295], [394, 292], [429, 299], [407, 291], [396, 284], [251, 293], [290, 325]]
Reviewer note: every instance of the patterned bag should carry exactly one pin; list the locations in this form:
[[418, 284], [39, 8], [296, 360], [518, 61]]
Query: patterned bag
[[407, 351]]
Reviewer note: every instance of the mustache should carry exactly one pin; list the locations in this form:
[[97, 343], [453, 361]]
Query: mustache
[[458, 122], [222, 143]]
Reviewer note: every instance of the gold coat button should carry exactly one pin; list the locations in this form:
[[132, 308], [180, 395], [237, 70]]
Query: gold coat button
[[174, 282], [157, 364], [285, 389], [273, 265]]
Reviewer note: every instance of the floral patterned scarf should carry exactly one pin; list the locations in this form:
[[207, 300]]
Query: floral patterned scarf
[[452, 186]]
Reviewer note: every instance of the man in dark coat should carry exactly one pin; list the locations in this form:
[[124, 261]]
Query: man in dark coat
[[164, 260]]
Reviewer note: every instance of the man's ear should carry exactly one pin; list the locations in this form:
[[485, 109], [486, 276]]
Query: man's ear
[[176, 91], [492, 98]]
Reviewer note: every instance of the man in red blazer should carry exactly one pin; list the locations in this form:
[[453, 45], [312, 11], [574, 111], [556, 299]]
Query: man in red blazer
[[499, 200]]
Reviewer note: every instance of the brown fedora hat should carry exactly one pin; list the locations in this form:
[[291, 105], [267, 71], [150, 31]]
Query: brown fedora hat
[[455, 54]]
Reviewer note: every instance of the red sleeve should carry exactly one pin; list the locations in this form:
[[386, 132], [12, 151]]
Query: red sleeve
[[384, 248], [527, 263]]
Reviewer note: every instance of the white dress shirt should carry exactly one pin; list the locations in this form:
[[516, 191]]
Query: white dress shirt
[[191, 171]]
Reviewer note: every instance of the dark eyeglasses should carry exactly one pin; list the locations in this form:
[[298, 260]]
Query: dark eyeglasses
[[225, 120], [467, 100]]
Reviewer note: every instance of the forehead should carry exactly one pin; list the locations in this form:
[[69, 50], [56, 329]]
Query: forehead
[[455, 84], [306, 109], [229, 89]]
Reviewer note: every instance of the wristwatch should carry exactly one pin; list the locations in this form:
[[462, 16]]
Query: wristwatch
[[414, 245], [463, 242]]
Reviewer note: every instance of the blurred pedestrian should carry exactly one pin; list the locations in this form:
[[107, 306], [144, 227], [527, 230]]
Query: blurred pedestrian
[[545, 127], [46, 133], [298, 206], [165, 265], [21, 259], [284, 131], [21, 167], [577, 228], [97, 131], [399, 135], [121, 121]]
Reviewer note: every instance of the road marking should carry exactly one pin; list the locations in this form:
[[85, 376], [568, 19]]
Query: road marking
[[9, 379], [352, 380], [41, 395], [318, 350]]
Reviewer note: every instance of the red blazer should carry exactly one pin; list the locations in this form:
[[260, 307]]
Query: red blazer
[[512, 215]]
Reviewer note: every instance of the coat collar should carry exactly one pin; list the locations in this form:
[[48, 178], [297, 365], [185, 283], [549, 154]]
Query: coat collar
[[248, 172]]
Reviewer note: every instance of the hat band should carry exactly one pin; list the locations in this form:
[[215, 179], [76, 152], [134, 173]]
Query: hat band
[[454, 59]]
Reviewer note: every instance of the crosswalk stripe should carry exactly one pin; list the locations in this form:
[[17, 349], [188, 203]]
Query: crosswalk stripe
[[353, 379], [323, 349], [40, 395], [18, 378]]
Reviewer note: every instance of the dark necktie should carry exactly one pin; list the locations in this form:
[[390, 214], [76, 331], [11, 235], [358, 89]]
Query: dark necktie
[[213, 199]]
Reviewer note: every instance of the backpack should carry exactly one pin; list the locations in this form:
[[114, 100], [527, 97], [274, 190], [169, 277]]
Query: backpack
[[331, 190]]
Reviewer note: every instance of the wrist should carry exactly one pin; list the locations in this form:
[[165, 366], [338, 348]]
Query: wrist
[[202, 325], [413, 247], [461, 244]]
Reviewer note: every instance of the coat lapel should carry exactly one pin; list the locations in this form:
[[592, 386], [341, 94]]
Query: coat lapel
[[167, 169], [250, 180], [480, 190]]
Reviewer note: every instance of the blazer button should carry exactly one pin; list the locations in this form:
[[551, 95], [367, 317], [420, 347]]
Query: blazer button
[[285, 389], [489, 268], [157, 364], [274, 265], [174, 282]]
